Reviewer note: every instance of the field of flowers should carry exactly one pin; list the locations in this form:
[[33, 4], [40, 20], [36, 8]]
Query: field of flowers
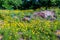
[[13, 28]]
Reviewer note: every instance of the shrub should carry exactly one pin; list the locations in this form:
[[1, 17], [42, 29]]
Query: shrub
[[27, 4]]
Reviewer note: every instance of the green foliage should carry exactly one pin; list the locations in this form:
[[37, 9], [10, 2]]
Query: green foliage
[[16, 29], [27, 4], [9, 4]]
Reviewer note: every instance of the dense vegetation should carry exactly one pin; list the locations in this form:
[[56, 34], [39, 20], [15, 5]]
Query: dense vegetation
[[28, 4], [13, 28]]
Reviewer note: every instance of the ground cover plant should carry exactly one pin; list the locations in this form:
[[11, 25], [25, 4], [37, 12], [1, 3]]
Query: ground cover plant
[[13, 28]]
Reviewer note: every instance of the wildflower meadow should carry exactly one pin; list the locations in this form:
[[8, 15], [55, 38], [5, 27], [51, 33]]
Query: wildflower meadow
[[12, 27]]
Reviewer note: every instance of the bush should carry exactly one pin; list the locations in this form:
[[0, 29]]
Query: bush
[[27, 4], [10, 4]]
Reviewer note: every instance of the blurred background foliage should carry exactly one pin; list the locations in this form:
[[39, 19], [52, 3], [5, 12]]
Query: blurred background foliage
[[28, 4]]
